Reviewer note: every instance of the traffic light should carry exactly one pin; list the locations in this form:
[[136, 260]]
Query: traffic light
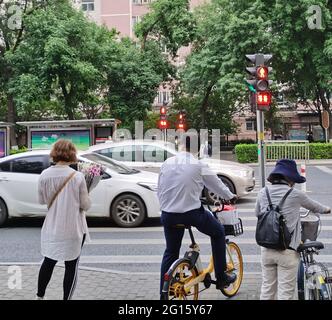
[[259, 82], [163, 122], [181, 123]]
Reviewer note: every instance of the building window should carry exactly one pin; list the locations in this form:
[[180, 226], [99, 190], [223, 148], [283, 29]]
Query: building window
[[250, 125], [88, 5], [135, 19], [163, 96], [142, 1]]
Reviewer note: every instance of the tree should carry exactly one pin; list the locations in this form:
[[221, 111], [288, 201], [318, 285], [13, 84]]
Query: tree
[[234, 28], [12, 32], [169, 22], [63, 58], [302, 54], [133, 79]]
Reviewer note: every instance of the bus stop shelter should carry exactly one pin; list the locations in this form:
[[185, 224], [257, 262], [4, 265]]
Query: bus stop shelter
[[4, 138], [83, 133]]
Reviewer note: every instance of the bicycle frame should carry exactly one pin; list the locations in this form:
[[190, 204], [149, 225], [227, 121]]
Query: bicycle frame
[[208, 270]]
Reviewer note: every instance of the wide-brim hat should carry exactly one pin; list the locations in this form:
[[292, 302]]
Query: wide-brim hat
[[288, 169]]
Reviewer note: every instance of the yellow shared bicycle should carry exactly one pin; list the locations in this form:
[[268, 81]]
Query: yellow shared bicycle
[[184, 277]]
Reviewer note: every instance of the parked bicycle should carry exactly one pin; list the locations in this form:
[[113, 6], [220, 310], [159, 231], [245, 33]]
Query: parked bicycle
[[185, 275], [314, 280]]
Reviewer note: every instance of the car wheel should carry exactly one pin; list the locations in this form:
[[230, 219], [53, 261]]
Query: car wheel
[[211, 197], [3, 212], [128, 210]]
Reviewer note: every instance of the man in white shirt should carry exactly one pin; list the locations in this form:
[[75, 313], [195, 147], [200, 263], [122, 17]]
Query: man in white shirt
[[181, 182]]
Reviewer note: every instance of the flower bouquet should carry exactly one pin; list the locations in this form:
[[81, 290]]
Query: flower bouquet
[[92, 173]]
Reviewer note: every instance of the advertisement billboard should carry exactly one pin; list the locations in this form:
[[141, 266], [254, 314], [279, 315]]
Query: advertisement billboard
[[44, 139], [2, 143]]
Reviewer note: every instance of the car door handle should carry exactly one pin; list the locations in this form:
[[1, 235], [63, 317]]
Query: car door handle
[[4, 180]]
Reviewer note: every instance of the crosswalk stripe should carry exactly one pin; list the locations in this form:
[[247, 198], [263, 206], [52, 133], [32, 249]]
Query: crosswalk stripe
[[144, 259], [160, 229], [324, 169], [205, 240]]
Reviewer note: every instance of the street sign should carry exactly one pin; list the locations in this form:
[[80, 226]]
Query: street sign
[[325, 120]]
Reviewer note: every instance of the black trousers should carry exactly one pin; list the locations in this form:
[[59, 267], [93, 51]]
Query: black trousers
[[206, 223], [70, 277]]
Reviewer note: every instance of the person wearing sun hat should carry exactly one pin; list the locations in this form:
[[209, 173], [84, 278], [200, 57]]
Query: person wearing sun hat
[[279, 267]]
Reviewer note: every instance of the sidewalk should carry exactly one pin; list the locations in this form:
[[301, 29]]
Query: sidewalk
[[106, 285]]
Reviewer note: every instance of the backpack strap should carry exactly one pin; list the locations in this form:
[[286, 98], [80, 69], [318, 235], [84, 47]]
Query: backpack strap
[[268, 196], [281, 203]]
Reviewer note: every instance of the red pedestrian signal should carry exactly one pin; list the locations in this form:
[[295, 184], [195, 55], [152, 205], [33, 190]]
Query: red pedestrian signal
[[263, 100], [163, 124], [163, 110], [262, 73]]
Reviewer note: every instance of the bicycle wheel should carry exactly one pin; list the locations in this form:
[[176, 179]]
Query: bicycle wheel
[[235, 265], [180, 275]]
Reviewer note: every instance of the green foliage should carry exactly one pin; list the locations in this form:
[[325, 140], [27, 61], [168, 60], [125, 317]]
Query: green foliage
[[20, 150], [246, 153], [169, 22], [320, 150]]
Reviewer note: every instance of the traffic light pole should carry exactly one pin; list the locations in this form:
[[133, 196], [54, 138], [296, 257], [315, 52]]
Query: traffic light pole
[[261, 150]]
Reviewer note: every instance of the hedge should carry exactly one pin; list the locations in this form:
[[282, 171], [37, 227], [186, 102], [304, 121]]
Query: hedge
[[246, 153], [14, 151]]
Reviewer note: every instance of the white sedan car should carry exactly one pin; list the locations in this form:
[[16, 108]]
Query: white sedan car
[[126, 195], [149, 155]]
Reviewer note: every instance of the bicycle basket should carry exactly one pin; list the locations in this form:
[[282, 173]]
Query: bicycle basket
[[235, 229], [310, 227]]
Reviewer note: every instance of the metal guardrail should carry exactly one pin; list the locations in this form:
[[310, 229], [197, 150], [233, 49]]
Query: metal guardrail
[[287, 149]]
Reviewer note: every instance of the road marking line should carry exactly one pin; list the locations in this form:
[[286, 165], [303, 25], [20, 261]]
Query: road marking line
[[324, 169], [160, 229], [205, 240], [144, 259]]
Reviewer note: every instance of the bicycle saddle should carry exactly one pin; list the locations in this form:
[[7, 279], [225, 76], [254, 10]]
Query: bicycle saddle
[[310, 244]]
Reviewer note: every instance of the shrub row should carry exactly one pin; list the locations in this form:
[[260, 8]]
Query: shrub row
[[247, 153]]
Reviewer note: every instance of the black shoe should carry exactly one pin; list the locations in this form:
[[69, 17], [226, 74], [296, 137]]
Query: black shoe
[[226, 280]]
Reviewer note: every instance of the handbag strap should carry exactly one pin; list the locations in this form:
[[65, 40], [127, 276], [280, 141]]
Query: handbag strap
[[60, 189], [281, 203]]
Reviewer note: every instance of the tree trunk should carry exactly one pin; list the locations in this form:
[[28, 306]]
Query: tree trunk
[[11, 118], [204, 106], [68, 101], [326, 106]]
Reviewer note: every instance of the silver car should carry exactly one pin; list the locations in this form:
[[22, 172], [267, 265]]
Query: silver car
[[149, 155]]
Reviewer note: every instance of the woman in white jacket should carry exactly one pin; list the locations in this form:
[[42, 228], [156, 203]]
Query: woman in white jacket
[[64, 230]]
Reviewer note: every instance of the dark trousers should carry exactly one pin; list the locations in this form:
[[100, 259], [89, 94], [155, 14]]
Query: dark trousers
[[70, 277], [206, 223]]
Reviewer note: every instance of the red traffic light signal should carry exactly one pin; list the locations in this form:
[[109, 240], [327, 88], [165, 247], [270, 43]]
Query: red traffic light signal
[[263, 100], [163, 110], [262, 73], [163, 124]]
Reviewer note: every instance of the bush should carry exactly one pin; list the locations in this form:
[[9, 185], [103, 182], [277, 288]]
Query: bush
[[320, 150], [14, 151], [246, 153]]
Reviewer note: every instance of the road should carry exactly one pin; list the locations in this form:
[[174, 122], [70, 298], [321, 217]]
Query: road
[[141, 249]]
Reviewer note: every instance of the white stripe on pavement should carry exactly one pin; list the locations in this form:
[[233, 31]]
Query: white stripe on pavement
[[185, 241], [324, 169], [144, 259], [160, 229]]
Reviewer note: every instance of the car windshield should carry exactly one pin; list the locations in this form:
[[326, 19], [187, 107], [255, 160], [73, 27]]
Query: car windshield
[[108, 163]]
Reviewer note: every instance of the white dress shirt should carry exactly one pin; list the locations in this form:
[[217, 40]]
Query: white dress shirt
[[181, 181], [65, 222]]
